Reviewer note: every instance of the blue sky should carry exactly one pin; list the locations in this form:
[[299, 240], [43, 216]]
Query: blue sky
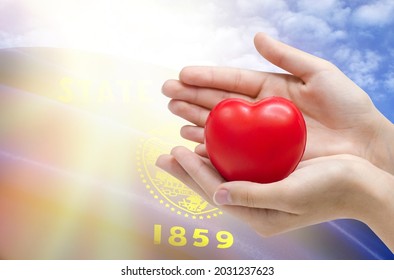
[[356, 35]]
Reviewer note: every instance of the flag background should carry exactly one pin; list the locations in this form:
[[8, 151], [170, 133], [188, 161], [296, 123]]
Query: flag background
[[82, 120]]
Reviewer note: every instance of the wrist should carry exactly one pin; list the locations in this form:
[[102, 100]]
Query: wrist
[[377, 207], [380, 150]]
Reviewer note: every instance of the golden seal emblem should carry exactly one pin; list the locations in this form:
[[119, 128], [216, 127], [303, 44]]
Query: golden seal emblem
[[166, 189]]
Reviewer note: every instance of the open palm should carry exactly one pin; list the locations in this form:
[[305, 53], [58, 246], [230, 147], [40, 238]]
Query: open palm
[[349, 146], [339, 115]]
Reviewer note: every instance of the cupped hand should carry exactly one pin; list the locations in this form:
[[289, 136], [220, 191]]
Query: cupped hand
[[320, 189], [340, 116]]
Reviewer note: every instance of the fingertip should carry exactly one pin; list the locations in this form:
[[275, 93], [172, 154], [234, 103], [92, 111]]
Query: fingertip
[[175, 150], [259, 36], [260, 40], [164, 162], [222, 197], [176, 106], [192, 133], [201, 150], [179, 151], [193, 75], [171, 88], [167, 86], [185, 131], [170, 105], [184, 73]]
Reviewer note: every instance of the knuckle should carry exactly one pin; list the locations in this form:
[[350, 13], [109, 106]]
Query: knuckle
[[266, 224], [328, 65], [247, 198], [267, 231]]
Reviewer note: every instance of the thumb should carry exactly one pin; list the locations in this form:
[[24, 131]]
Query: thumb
[[274, 196], [295, 61]]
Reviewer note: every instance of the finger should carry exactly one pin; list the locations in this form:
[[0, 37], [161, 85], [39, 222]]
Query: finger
[[272, 196], [190, 112], [198, 169], [169, 164], [201, 150], [266, 222], [323, 161], [193, 133], [295, 61], [202, 96], [245, 82]]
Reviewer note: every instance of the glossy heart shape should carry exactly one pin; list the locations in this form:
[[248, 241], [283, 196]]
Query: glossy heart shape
[[261, 142]]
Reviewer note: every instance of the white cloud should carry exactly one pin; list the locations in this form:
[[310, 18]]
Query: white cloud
[[4, 3], [332, 11], [379, 13], [360, 65], [209, 32], [263, 9], [8, 40], [152, 31], [389, 82], [310, 29], [321, 7], [307, 24], [195, 32]]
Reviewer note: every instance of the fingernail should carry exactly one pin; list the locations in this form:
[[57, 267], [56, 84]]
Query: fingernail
[[222, 197]]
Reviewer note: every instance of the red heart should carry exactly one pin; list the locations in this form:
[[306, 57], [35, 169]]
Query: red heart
[[260, 142]]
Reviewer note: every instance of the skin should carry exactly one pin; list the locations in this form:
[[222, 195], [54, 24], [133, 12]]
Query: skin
[[348, 166]]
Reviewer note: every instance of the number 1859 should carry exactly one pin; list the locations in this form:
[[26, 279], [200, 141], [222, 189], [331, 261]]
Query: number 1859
[[178, 237]]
